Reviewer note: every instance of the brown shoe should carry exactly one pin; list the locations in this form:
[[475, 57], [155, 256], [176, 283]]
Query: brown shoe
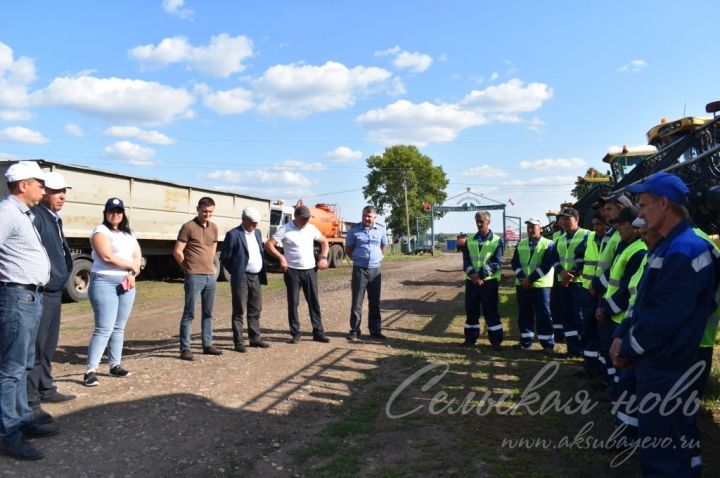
[[186, 355], [212, 350]]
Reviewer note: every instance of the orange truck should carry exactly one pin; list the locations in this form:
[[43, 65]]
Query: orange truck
[[326, 217]]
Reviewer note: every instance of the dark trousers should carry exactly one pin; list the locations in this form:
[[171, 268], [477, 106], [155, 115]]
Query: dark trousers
[[247, 301], [40, 381], [606, 330], [482, 300], [556, 312], [534, 311], [305, 279], [705, 354], [370, 280], [571, 298], [589, 332], [670, 423]]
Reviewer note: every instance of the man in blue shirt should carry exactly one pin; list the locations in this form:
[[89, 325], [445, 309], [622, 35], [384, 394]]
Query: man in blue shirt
[[366, 244], [674, 300]]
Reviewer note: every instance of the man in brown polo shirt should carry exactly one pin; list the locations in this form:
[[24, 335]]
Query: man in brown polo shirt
[[195, 252]]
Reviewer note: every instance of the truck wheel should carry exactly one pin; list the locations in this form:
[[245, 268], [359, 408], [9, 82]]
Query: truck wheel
[[76, 287], [336, 256]]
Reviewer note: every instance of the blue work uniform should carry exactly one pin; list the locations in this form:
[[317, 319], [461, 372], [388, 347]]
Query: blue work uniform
[[574, 296], [675, 298]]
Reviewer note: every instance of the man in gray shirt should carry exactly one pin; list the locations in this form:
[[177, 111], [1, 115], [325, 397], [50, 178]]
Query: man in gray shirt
[[24, 271]]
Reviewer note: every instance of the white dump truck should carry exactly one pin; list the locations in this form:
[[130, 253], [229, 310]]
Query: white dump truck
[[156, 209]]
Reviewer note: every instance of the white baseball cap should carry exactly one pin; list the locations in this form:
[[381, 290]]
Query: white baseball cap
[[24, 170], [55, 180], [639, 222], [534, 221], [252, 214]]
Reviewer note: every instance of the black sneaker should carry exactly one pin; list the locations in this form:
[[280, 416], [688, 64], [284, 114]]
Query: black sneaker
[[261, 344], [41, 417], [240, 347], [212, 350], [378, 336], [353, 337], [20, 450], [321, 338], [186, 355], [295, 339], [118, 371], [58, 397], [90, 379], [39, 431]]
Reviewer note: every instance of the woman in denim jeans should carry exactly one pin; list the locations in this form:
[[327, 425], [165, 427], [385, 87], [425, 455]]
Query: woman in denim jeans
[[116, 261]]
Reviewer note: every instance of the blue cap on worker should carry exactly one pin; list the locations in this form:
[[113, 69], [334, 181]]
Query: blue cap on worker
[[662, 184]]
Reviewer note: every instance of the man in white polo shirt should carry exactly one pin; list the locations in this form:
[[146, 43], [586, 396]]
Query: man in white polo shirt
[[298, 264]]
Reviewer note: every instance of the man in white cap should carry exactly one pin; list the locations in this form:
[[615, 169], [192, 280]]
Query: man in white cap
[[533, 265], [24, 271], [40, 386], [242, 255]]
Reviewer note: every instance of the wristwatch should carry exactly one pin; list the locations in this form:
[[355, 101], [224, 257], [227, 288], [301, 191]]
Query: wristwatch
[[323, 258]]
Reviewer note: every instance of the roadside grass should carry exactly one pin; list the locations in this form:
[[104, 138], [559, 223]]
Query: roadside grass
[[457, 419]]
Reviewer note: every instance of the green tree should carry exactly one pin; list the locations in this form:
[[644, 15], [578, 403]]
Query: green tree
[[583, 184], [398, 168]]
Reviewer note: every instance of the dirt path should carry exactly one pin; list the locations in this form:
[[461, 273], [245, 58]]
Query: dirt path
[[238, 414]]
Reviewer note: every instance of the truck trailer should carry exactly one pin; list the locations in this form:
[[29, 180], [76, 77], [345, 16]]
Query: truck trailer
[[155, 208]]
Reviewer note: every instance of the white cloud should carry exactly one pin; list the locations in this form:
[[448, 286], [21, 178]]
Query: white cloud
[[420, 124], [510, 97], [130, 152], [8, 157], [15, 76], [298, 90], [175, 7], [495, 75], [152, 137], [343, 154], [549, 163], [299, 166], [260, 177], [633, 67], [414, 61], [485, 171], [222, 57], [74, 130], [543, 181], [229, 102], [389, 52], [15, 115], [118, 99], [535, 124], [18, 134]]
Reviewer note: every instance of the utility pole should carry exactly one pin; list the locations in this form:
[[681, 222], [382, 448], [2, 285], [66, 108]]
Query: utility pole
[[407, 212]]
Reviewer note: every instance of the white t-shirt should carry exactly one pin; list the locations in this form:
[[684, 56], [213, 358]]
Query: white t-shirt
[[122, 245], [298, 244], [255, 260]]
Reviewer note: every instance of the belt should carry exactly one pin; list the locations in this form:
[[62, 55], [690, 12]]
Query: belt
[[30, 287]]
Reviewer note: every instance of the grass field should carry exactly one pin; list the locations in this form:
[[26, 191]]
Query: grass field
[[442, 424]]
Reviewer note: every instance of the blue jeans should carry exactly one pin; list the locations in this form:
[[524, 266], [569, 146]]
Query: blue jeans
[[112, 310], [19, 318], [203, 285]]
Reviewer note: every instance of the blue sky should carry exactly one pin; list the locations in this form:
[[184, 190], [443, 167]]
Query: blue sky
[[286, 99]]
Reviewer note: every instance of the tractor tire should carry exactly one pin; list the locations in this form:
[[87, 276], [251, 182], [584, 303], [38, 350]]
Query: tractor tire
[[336, 256], [76, 287]]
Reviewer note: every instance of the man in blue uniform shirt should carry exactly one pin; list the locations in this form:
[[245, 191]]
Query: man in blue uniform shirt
[[366, 244], [675, 298]]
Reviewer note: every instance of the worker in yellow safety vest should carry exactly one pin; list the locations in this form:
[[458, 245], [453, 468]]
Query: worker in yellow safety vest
[[482, 260], [532, 263], [571, 257]]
